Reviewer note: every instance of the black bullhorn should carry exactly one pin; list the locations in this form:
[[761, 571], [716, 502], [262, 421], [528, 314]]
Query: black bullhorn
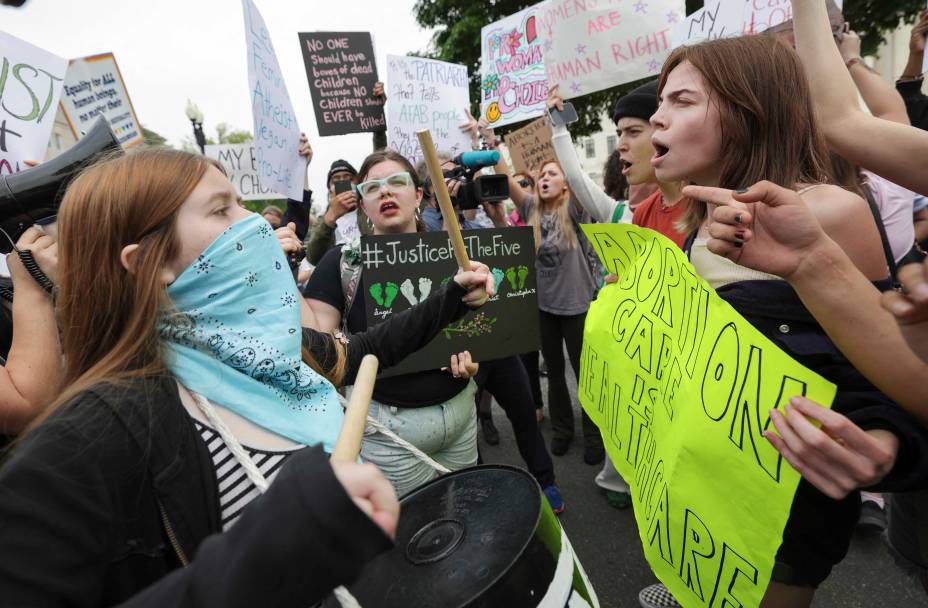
[[34, 195]]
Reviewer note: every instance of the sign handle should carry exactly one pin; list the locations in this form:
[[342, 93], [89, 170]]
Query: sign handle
[[444, 199], [348, 444]]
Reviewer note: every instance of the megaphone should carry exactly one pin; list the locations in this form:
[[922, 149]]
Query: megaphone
[[33, 195]]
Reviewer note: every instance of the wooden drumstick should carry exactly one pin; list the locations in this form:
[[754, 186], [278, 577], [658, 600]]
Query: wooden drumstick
[[348, 444], [444, 199]]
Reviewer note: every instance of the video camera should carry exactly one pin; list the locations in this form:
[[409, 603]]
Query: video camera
[[476, 190]]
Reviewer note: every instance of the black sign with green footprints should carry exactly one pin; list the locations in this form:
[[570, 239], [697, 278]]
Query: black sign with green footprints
[[401, 270]]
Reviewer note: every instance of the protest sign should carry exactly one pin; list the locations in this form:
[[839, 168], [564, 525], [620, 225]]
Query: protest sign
[[341, 72], [530, 146], [680, 386], [426, 94], [30, 85], [241, 164], [277, 134], [403, 269], [708, 23], [346, 228], [513, 85], [591, 46], [94, 87]]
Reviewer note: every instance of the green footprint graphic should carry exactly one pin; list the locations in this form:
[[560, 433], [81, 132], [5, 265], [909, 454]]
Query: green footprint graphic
[[511, 277], [392, 290], [377, 293], [523, 273]]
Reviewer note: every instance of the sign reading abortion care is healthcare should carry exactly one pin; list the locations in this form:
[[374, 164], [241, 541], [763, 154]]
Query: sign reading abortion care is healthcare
[[30, 84], [401, 270], [241, 164], [94, 87], [513, 85], [680, 386], [595, 45], [342, 73], [277, 134], [426, 94]]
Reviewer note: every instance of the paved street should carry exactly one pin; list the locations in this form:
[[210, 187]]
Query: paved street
[[607, 543]]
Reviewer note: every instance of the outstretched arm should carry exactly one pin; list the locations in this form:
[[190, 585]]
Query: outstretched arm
[[590, 196], [883, 100], [771, 229], [889, 149]]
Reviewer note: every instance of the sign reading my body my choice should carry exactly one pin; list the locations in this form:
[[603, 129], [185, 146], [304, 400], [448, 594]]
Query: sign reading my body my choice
[[341, 72], [241, 164], [401, 270]]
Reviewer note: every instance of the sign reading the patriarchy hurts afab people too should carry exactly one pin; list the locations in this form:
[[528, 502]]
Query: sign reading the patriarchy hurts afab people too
[[513, 85], [594, 45], [680, 386], [426, 94], [401, 270]]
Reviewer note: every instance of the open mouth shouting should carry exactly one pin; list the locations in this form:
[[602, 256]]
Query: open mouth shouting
[[626, 166], [389, 208], [660, 152]]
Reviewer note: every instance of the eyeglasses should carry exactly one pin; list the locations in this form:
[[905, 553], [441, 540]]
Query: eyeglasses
[[370, 189]]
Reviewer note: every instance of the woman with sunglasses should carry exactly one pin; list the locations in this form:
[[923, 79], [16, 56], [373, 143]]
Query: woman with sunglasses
[[434, 409]]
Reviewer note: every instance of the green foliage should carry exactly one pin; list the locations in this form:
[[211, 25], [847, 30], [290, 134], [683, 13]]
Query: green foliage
[[457, 39], [873, 18], [153, 139]]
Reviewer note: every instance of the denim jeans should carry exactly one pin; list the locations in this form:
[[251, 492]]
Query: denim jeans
[[447, 432]]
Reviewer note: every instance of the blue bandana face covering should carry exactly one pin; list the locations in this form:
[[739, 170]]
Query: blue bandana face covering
[[235, 338]]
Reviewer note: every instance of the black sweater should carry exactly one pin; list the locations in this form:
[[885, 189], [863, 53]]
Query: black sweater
[[104, 501]]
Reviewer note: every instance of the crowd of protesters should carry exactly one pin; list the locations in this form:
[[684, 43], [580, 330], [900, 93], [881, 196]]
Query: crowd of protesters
[[148, 462]]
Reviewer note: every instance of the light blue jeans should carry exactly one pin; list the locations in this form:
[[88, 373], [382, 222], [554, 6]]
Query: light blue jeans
[[447, 432]]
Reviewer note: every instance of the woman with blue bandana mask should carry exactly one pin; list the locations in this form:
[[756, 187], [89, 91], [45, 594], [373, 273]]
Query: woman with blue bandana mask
[[190, 389]]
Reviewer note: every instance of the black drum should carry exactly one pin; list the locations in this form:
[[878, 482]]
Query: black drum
[[482, 536]]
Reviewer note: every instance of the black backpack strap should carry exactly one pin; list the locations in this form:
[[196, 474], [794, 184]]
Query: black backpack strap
[[887, 250], [688, 243]]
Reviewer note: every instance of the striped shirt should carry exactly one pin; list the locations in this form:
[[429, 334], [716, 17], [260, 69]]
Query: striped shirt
[[236, 490]]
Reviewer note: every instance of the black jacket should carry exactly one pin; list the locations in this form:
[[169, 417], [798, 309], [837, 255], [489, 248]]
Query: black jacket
[[103, 502], [916, 103]]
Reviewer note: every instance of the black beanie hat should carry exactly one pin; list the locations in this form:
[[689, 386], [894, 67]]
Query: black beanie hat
[[639, 103], [339, 165]]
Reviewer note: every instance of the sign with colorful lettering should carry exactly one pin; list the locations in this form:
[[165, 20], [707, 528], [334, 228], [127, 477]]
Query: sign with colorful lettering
[[513, 85], [530, 146], [30, 85], [426, 94], [342, 73], [401, 270], [591, 46], [241, 164], [681, 387], [277, 134], [94, 87]]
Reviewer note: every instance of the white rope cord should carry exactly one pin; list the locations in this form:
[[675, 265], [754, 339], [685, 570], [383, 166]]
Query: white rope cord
[[381, 428], [254, 474], [251, 469]]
